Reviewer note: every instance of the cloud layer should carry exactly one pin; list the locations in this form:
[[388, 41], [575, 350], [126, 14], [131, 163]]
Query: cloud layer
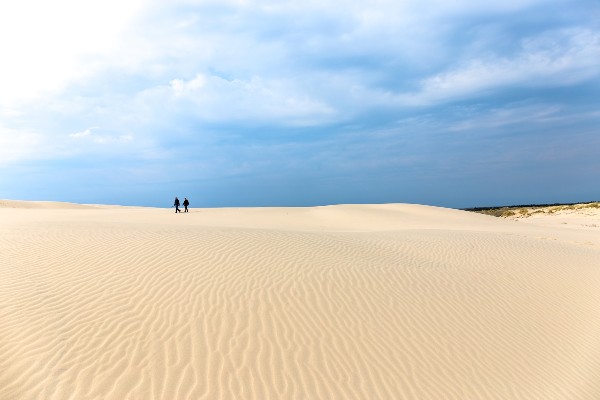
[[289, 102]]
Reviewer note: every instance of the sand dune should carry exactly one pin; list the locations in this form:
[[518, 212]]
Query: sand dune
[[43, 205], [340, 302], [579, 216]]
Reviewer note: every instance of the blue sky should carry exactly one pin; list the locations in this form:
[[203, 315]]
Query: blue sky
[[297, 103]]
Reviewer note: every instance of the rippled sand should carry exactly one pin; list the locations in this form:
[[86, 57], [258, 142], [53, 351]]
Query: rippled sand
[[340, 302]]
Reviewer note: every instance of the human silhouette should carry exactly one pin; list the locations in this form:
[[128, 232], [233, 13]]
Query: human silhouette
[[176, 204], [186, 203]]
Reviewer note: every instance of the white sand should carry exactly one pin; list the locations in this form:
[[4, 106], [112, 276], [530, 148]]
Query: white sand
[[341, 302]]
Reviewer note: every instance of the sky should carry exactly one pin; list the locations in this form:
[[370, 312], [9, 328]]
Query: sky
[[300, 103]]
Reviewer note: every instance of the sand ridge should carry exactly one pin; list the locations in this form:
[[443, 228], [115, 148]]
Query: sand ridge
[[344, 302], [579, 216], [43, 205]]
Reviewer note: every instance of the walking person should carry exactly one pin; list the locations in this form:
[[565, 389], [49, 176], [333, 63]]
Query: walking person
[[176, 204], [186, 203]]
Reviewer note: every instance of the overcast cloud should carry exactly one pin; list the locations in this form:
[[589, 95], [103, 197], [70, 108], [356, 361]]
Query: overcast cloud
[[456, 104]]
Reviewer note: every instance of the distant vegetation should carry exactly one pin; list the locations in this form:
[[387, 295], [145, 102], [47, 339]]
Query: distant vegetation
[[524, 211]]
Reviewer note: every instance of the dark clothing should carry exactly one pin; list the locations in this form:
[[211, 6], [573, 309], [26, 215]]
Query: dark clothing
[[186, 203], [176, 204]]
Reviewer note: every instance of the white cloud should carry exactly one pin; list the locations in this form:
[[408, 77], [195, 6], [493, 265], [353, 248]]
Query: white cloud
[[181, 86], [90, 134], [213, 98], [85, 133], [18, 145], [563, 58], [147, 66], [46, 45]]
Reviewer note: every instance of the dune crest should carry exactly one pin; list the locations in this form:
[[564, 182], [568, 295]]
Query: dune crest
[[43, 205], [340, 302]]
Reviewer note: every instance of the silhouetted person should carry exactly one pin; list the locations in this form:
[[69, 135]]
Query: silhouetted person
[[186, 203], [176, 204]]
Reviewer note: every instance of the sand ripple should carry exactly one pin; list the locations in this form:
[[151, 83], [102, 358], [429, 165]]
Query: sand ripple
[[120, 307]]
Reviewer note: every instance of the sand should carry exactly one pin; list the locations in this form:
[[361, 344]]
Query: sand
[[341, 302]]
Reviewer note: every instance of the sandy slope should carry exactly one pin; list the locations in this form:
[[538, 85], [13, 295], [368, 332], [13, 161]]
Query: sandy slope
[[340, 302], [582, 216]]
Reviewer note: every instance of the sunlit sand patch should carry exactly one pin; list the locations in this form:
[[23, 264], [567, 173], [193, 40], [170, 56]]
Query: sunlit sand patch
[[347, 302]]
